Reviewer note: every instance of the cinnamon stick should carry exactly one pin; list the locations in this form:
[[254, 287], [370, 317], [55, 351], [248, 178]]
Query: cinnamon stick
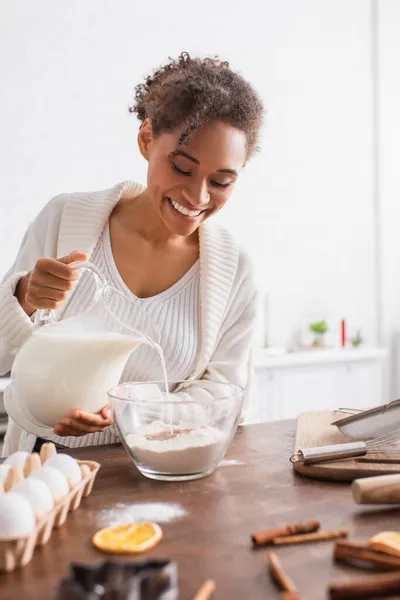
[[262, 538], [278, 574], [348, 552], [206, 590], [378, 586], [321, 536]]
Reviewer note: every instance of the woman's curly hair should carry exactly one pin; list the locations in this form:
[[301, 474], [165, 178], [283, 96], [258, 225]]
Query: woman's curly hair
[[190, 92]]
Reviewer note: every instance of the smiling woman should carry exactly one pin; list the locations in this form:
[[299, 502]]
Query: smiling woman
[[187, 187], [199, 124]]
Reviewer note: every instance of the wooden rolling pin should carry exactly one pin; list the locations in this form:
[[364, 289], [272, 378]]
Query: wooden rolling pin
[[383, 489]]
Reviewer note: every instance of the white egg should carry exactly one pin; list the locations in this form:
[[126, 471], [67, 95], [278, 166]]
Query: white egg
[[68, 467], [4, 471], [54, 479], [17, 459], [17, 518], [37, 493]]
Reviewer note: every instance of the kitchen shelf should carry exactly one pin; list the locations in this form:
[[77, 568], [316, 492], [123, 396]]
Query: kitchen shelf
[[261, 358]]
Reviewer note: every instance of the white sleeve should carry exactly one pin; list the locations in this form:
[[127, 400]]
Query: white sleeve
[[15, 325], [230, 363], [40, 240]]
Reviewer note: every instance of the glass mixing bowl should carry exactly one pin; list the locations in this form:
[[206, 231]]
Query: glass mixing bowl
[[177, 434]]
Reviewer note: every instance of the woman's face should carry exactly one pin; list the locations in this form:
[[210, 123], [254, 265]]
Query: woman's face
[[189, 184]]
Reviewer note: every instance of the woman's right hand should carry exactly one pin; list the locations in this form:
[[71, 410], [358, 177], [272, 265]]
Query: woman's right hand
[[47, 285]]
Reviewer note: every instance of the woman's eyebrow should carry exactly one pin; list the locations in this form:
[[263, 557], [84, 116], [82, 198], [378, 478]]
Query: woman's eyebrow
[[185, 155], [231, 171]]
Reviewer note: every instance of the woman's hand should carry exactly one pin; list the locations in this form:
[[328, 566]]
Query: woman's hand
[[48, 284], [80, 423]]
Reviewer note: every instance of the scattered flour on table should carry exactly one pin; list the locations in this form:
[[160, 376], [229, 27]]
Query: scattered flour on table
[[231, 463], [159, 512], [192, 451]]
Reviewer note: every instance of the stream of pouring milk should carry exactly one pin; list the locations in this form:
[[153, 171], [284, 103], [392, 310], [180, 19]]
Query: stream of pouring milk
[[160, 353]]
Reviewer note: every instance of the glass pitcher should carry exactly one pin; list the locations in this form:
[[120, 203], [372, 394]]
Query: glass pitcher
[[72, 363]]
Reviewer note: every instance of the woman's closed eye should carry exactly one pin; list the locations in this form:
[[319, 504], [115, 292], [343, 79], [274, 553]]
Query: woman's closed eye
[[188, 173], [221, 185], [180, 171]]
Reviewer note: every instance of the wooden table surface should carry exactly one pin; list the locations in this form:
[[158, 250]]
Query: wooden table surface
[[253, 490]]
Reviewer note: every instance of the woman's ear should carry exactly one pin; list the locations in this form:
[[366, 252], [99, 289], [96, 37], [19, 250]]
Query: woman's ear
[[145, 138]]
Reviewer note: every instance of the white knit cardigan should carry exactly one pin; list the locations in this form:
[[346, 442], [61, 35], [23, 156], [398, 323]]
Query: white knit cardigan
[[74, 222]]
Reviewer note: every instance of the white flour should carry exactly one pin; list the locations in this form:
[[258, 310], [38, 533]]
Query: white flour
[[159, 512], [195, 450]]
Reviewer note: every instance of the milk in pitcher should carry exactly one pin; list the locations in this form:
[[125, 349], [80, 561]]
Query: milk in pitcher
[[56, 372]]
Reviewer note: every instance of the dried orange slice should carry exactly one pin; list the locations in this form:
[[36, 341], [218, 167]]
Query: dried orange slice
[[128, 538], [388, 542]]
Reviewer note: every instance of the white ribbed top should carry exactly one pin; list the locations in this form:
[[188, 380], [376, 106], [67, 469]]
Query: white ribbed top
[[76, 221], [175, 312]]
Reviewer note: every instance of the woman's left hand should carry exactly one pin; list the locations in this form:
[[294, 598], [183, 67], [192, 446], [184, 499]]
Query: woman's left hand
[[80, 423]]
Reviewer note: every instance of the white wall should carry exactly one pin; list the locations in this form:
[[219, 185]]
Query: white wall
[[389, 176], [304, 208]]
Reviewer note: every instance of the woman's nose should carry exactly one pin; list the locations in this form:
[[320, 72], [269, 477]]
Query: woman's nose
[[197, 195]]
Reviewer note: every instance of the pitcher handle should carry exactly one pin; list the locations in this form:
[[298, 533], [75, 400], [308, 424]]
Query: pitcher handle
[[47, 316]]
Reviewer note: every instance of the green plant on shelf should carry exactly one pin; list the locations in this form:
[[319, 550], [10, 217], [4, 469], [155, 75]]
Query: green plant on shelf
[[318, 329], [357, 340]]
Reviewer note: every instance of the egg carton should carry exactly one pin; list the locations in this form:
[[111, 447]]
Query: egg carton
[[19, 552]]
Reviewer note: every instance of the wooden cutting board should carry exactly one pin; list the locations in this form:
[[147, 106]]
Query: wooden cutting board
[[314, 429]]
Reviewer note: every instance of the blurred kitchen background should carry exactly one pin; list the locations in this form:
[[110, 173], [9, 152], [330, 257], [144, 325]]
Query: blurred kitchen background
[[318, 209]]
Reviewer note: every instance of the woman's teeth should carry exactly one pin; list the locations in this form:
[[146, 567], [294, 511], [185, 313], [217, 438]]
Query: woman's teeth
[[183, 210]]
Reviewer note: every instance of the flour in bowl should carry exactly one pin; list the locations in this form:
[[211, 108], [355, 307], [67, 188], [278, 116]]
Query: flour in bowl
[[183, 450]]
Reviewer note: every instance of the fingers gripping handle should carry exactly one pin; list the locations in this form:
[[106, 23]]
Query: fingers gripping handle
[[47, 316]]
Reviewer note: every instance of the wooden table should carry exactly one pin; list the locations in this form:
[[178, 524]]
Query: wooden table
[[255, 489]]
